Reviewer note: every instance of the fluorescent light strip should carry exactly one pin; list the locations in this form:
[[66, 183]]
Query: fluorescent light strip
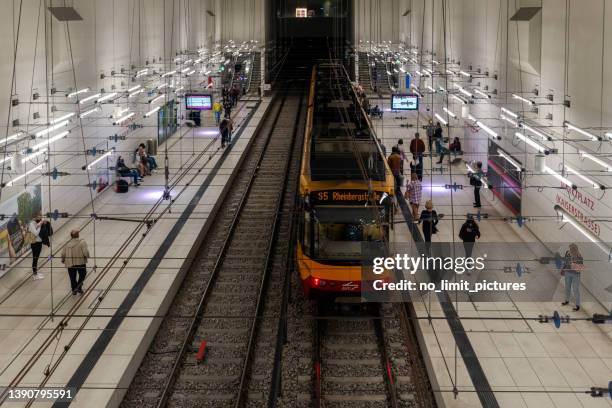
[[136, 93], [149, 113], [532, 143], [89, 112], [99, 159], [132, 89], [465, 92], [5, 159], [168, 74], [536, 132], [12, 182], [510, 160], [162, 86], [437, 116], [585, 178], [465, 74], [185, 70], [441, 88], [559, 177], [141, 73], [10, 138], [51, 129], [73, 94], [509, 112], [479, 92], [62, 118], [487, 129], [519, 97], [449, 112], [49, 141], [509, 120], [582, 131], [567, 217], [33, 155], [107, 97], [594, 159], [460, 99], [448, 71], [89, 98], [157, 99], [123, 119], [431, 89]]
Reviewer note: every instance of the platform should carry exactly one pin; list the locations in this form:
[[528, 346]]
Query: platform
[[523, 363], [109, 337]]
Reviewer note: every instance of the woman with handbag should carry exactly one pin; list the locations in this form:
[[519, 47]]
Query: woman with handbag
[[429, 220], [32, 237]]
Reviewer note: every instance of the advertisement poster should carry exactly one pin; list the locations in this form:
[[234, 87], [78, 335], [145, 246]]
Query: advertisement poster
[[15, 215]]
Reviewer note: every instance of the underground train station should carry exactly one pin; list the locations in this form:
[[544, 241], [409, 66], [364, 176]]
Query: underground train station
[[306, 203]]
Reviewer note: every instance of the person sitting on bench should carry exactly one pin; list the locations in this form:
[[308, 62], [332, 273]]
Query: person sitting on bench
[[142, 152], [125, 171], [375, 112], [455, 146]]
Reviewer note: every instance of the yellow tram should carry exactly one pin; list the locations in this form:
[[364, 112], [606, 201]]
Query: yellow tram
[[346, 188]]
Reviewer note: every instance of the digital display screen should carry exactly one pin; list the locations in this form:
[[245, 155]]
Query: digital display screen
[[198, 102], [405, 102]]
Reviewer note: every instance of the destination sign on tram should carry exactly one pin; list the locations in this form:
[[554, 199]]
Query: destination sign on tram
[[338, 197]]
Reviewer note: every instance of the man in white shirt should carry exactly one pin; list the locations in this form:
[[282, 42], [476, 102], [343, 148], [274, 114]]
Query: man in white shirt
[[36, 246]]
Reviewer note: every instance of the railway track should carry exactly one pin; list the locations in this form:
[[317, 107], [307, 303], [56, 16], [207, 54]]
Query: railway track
[[362, 358], [229, 297], [353, 364]]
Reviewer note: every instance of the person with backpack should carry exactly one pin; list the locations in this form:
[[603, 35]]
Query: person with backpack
[[225, 128], [573, 265], [476, 181], [74, 256], [469, 233]]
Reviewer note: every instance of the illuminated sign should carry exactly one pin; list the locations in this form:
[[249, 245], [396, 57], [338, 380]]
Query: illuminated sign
[[198, 102], [344, 197], [301, 12], [405, 102]]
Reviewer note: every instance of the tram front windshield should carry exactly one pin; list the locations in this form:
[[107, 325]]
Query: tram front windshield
[[339, 231]]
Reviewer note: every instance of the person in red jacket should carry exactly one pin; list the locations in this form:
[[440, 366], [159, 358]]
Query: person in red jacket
[[417, 147]]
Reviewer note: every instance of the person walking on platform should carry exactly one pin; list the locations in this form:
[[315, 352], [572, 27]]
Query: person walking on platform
[[573, 266], [225, 128], [417, 147], [469, 233], [414, 190], [217, 108], [394, 160], [33, 237], [429, 221], [402, 153], [429, 130], [438, 137], [416, 166], [74, 256], [476, 181]]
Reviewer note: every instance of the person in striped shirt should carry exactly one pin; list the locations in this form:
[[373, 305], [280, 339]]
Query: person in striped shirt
[[414, 190]]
